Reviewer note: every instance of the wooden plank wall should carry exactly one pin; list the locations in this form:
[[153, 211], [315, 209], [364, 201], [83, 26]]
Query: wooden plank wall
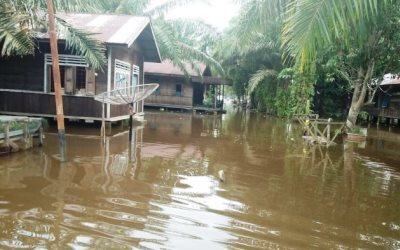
[[167, 91], [43, 104]]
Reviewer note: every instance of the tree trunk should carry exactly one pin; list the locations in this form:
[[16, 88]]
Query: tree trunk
[[360, 91], [352, 116], [57, 81]]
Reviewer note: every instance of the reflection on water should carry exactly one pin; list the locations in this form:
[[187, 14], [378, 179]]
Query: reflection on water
[[163, 191]]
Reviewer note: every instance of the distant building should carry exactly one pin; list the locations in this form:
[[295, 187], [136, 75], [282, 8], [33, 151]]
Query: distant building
[[387, 100], [195, 89], [26, 83]]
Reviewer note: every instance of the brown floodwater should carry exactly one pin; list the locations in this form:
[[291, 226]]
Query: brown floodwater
[[165, 191]]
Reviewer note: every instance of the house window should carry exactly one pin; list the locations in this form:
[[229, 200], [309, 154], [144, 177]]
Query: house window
[[122, 74], [73, 71], [178, 90]]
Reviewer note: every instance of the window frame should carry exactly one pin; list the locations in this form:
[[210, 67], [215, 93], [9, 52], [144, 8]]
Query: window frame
[[63, 60], [124, 68]]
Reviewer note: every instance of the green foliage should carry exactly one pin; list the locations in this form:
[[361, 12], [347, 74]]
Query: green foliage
[[311, 26], [80, 42], [337, 46], [209, 98], [180, 41], [13, 39], [363, 115], [20, 19], [358, 130], [14, 125], [284, 103]]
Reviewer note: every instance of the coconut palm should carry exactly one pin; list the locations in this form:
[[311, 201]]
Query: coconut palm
[[352, 31], [355, 29], [246, 39], [21, 20], [175, 41]]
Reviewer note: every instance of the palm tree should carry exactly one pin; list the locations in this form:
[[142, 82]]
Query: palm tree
[[345, 28], [357, 26], [21, 19], [175, 45], [246, 39]]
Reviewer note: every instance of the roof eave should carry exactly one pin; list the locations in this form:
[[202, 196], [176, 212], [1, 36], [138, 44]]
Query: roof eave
[[155, 41]]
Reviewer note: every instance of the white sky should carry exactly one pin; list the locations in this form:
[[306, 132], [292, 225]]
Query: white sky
[[217, 13]]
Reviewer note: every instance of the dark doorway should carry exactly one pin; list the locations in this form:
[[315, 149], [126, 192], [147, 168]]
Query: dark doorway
[[198, 94]]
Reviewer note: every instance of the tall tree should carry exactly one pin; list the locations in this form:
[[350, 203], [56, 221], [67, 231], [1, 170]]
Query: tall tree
[[57, 81], [355, 32]]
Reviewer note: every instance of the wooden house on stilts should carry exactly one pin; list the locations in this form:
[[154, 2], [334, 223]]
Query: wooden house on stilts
[[26, 82], [195, 89], [386, 105]]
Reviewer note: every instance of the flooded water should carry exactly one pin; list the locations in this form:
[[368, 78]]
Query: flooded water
[[165, 193]]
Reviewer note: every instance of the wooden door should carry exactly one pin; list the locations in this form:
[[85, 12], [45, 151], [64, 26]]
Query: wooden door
[[90, 82], [69, 79]]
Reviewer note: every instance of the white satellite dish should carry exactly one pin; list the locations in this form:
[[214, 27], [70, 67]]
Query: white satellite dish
[[125, 96], [128, 95]]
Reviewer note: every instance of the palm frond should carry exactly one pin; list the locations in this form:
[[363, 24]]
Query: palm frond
[[81, 43], [13, 39], [312, 25], [258, 77], [179, 52], [193, 54]]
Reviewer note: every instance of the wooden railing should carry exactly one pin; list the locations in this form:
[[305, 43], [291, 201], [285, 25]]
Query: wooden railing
[[317, 130]]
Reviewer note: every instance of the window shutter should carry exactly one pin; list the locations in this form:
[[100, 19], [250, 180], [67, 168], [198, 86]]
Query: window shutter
[[69, 79], [90, 81]]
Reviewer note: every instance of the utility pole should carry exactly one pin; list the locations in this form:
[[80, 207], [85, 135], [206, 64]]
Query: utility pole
[[57, 82]]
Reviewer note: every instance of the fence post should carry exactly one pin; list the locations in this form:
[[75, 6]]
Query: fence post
[[7, 133], [315, 124], [328, 136]]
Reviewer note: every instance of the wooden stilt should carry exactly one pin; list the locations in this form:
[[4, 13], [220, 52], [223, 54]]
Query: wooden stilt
[[103, 125], [328, 132], [41, 135], [7, 134], [130, 122]]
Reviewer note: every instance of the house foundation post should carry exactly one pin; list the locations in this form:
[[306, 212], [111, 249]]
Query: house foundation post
[[108, 128]]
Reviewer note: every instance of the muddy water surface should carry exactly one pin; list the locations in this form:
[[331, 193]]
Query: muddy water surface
[[165, 193]]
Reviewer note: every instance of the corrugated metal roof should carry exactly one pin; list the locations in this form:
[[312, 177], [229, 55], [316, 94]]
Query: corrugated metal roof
[[390, 79], [112, 29], [166, 67]]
